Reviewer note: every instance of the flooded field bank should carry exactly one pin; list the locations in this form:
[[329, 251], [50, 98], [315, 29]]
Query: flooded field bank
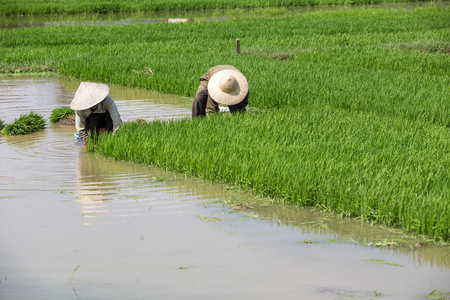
[[78, 226]]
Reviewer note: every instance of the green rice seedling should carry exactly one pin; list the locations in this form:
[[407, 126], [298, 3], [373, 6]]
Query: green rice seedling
[[25, 124], [435, 294], [71, 275], [36, 7], [25, 68], [380, 261], [342, 58], [2, 124], [61, 113], [387, 170]]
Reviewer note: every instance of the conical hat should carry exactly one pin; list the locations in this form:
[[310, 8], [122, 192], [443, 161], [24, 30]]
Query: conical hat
[[89, 94], [228, 87]]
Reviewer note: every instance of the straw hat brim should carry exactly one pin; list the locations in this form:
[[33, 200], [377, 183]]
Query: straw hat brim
[[229, 98], [89, 94]]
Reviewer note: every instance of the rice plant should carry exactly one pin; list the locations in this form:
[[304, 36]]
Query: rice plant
[[345, 58], [61, 113], [2, 124], [37, 7], [379, 169], [25, 124]]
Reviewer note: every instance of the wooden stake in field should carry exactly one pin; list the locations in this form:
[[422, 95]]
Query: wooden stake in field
[[238, 47]]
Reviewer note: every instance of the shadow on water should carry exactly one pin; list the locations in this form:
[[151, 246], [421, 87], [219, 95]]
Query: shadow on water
[[77, 225]]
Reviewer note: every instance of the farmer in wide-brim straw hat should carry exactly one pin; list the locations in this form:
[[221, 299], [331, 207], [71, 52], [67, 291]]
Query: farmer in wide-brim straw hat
[[223, 84], [95, 111]]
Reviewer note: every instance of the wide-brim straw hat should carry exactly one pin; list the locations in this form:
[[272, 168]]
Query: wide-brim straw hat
[[228, 87], [89, 94]]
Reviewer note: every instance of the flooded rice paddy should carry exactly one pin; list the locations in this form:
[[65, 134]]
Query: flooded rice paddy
[[77, 226], [108, 19]]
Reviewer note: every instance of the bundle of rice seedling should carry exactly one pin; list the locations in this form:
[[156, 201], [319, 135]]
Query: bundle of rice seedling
[[61, 113], [63, 116], [25, 124], [2, 124]]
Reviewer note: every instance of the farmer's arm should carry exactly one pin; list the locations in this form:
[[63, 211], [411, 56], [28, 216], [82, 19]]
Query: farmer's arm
[[80, 124], [111, 107], [199, 104]]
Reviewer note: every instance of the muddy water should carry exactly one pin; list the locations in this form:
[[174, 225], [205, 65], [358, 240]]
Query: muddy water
[[77, 226]]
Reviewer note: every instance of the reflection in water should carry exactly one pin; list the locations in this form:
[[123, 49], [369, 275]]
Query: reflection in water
[[93, 190], [146, 223], [434, 256], [419, 249]]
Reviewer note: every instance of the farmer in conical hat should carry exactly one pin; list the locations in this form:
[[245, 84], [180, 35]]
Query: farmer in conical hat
[[95, 111], [223, 84]]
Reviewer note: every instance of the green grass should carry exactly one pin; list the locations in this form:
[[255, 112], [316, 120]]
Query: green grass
[[39, 7], [60, 113], [352, 105], [2, 124], [350, 163], [347, 58], [435, 294], [25, 124]]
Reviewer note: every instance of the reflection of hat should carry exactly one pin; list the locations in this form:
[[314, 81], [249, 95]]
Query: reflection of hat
[[228, 87], [88, 95]]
